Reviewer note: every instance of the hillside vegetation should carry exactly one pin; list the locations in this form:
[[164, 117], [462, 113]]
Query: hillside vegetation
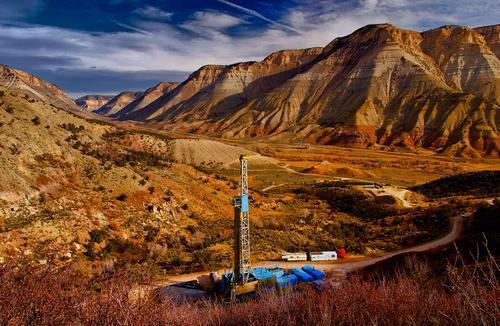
[[482, 183]]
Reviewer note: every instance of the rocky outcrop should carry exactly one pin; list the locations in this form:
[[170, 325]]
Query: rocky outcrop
[[35, 87], [467, 62], [93, 102], [117, 103], [491, 35]]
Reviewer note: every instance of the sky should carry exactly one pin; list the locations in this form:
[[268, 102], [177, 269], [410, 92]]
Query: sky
[[107, 46]]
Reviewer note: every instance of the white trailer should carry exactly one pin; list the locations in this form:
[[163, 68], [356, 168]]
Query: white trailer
[[294, 256], [323, 255]]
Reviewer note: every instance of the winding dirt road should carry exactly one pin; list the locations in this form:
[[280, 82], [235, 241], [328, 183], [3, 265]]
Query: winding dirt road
[[345, 266]]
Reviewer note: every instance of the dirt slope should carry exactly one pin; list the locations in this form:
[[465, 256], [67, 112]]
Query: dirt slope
[[327, 168], [202, 151]]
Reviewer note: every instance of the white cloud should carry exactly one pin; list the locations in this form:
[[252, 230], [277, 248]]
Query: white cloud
[[152, 12], [202, 20]]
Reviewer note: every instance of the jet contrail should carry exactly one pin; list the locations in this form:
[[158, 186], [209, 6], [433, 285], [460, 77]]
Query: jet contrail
[[258, 15], [135, 29]]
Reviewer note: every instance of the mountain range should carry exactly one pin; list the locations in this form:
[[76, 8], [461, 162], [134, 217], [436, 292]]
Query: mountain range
[[380, 85]]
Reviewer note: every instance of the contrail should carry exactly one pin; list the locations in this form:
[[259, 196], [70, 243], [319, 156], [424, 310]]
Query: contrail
[[258, 15], [135, 29]]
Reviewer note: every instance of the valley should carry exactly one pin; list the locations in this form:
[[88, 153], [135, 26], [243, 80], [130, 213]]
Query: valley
[[157, 200], [382, 144]]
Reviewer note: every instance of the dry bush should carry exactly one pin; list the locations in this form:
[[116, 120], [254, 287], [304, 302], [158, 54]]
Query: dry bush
[[43, 295]]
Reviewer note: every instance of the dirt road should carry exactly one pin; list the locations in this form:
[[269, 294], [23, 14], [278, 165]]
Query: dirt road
[[345, 266]]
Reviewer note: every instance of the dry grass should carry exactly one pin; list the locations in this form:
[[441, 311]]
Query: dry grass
[[464, 295]]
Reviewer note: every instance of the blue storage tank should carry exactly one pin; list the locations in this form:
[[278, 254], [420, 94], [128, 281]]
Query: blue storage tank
[[276, 270], [315, 273], [301, 275], [262, 273], [285, 281]]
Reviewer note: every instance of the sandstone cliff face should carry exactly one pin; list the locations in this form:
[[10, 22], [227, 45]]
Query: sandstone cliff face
[[380, 85], [466, 60], [150, 95], [92, 102], [39, 89], [117, 103], [491, 35]]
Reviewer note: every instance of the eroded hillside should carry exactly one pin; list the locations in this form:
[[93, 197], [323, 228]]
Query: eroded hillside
[[379, 85]]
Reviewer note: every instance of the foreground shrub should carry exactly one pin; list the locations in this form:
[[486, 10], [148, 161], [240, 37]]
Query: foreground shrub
[[42, 295]]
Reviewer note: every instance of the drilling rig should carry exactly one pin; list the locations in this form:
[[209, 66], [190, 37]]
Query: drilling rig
[[243, 281], [241, 266]]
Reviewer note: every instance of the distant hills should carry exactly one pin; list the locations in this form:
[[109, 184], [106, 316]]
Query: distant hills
[[93, 102]]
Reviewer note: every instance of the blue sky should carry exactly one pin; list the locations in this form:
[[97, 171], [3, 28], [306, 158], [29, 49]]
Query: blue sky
[[106, 46]]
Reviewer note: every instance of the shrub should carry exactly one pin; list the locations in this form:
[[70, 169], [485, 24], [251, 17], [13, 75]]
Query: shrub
[[36, 121], [72, 128], [40, 295], [14, 149], [122, 197]]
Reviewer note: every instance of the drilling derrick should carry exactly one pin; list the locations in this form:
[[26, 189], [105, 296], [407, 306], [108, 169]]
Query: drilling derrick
[[242, 267]]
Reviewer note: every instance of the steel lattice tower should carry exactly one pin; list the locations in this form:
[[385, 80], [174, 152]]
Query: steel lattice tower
[[242, 266]]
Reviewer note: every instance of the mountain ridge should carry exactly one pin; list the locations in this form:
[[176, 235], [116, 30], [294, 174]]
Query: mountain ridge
[[378, 85], [12, 78]]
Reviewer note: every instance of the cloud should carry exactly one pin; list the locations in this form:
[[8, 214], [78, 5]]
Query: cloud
[[31, 62], [210, 37], [211, 23], [258, 15], [152, 12]]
